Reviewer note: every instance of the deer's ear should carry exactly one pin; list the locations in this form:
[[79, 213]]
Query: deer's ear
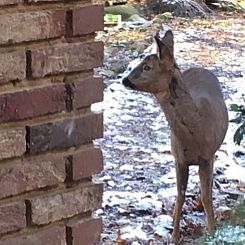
[[159, 45], [164, 52], [168, 40]]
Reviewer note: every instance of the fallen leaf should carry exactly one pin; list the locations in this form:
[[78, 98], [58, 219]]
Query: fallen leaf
[[120, 240], [198, 204]]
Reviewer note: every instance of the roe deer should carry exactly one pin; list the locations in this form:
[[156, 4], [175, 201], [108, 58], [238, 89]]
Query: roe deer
[[196, 113]]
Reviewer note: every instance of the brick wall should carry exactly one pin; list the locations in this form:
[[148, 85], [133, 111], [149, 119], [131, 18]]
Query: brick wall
[[47, 55]]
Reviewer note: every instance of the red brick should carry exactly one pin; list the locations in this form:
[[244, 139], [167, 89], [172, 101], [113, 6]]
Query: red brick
[[64, 133], [50, 236], [87, 92], [12, 217], [86, 231], [12, 66], [31, 174], [32, 103], [9, 2], [12, 142], [44, 24], [53, 207], [66, 58], [82, 23], [37, 1], [86, 163]]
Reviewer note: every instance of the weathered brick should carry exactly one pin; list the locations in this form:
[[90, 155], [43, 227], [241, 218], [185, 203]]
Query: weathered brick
[[82, 23], [26, 175], [86, 230], [87, 92], [37, 1], [85, 163], [53, 207], [50, 236], [44, 24], [32, 102], [12, 142], [64, 133], [12, 217], [65, 58], [12, 66], [9, 2]]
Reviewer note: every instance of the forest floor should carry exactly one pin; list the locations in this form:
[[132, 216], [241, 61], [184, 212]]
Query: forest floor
[[139, 175]]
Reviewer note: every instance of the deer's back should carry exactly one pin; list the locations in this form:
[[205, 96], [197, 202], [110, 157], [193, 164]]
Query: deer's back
[[202, 83], [205, 90]]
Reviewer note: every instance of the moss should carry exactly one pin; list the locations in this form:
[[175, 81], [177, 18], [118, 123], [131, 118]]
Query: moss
[[124, 10]]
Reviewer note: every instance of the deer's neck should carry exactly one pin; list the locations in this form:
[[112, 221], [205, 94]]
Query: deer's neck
[[179, 107]]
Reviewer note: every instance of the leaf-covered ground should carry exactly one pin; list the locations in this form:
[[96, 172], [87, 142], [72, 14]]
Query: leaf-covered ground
[[139, 176]]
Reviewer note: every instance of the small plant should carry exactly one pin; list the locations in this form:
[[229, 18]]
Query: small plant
[[238, 216], [227, 235], [230, 232], [240, 120]]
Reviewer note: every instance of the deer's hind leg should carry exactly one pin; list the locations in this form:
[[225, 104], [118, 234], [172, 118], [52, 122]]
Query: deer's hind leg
[[206, 180], [182, 173]]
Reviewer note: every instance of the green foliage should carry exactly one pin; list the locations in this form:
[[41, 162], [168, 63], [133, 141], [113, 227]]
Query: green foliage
[[239, 119]]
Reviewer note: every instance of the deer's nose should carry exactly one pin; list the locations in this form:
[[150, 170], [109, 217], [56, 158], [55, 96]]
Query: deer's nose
[[126, 82]]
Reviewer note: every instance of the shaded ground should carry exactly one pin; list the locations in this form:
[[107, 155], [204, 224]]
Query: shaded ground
[[139, 175]]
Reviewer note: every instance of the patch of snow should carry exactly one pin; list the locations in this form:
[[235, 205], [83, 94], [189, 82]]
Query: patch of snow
[[164, 221], [149, 203], [168, 192], [140, 200], [234, 172], [170, 177], [127, 167], [228, 235], [162, 224], [129, 232]]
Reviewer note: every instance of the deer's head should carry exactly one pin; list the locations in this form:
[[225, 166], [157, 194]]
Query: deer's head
[[155, 71]]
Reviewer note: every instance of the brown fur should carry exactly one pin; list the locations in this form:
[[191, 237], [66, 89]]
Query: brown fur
[[195, 110]]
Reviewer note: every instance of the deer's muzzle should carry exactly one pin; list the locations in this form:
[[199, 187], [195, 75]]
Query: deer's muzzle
[[126, 82]]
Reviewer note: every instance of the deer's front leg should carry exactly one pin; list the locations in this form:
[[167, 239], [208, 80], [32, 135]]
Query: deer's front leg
[[182, 173]]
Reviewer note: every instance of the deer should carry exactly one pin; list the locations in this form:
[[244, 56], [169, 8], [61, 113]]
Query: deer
[[194, 107]]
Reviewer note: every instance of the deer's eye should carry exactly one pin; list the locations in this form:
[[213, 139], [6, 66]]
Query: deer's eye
[[146, 67]]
